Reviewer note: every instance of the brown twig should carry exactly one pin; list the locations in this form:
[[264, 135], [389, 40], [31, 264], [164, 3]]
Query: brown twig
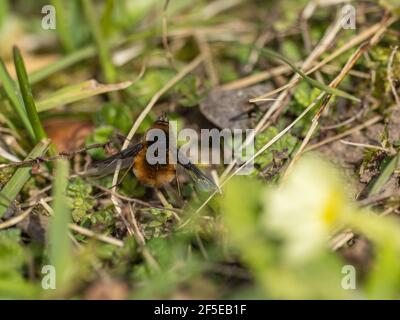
[[13, 221], [390, 76], [362, 126], [63, 155]]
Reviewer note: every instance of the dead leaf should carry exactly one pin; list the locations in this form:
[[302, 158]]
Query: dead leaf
[[68, 134], [231, 108]]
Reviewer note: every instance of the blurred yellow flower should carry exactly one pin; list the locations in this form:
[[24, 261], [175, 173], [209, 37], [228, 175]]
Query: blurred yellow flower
[[306, 207]]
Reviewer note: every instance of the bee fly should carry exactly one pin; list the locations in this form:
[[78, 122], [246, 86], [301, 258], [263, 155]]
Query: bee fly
[[153, 175]]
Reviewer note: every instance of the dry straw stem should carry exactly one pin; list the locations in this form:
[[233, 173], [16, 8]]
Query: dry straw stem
[[166, 46], [165, 203], [367, 146], [305, 141], [84, 231], [220, 31], [342, 238], [326, 97], [305, 31], [14, 185], [209, 64], [347, 46], [254, 55], [137, 233], [217, 7], [331, 33], [256, 78], [8, 156], [376, 198], [390, 76], [13, 221], [278, 71], [323, 45], [133, 200], [91, 234], [259, 152], [362, 126], [141, 241], [27, 97]]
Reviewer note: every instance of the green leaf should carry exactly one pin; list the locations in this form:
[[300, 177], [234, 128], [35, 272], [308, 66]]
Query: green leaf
[[4, 11], [114, 114], [78, 92], [99, 135], [60, 246], [11, 249], [12, 234], [384, 279], [109, 70], [241, 215], [13, 259], [188, 89], [152, 81], [82, 54], [80, 199], [20, 177], [27, 96], [305, 94], [283, 147], [13, 94], [291, 50]]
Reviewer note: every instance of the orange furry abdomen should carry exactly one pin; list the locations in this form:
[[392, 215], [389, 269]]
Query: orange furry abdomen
[[152, 175]]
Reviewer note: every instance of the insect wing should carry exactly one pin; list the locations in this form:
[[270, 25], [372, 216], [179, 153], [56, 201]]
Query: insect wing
[[107, 166]]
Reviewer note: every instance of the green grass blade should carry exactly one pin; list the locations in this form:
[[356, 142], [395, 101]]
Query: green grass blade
[[27, 96], [109, 71], [13, 94], [62, 26], [106, 18], [78, 92], [388, 167], [60, 245], [4, 11], [19, 178], [83, 54], [272, 54]]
